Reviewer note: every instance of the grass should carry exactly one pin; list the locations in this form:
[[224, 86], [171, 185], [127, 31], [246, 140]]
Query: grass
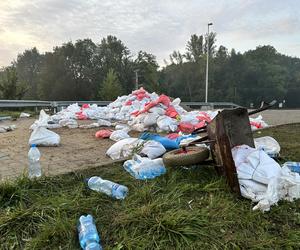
[[184, 209]]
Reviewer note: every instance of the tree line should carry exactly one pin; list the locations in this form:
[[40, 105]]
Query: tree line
[[84, 70]]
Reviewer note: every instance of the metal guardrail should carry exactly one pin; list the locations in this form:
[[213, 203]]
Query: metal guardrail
[[59, 104], [23, 103]]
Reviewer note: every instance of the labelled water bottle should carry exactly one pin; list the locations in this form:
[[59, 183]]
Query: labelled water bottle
[[88, 236], [34, 156], [107, 187]]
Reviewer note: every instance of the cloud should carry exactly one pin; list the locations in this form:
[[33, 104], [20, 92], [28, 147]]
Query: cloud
[[155, 26]]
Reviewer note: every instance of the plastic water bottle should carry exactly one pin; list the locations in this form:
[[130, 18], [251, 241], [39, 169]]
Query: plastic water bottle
[[88, 235], [34, 156], [108, 187]]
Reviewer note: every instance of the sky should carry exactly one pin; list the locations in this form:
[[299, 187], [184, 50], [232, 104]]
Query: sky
[[155, 26]]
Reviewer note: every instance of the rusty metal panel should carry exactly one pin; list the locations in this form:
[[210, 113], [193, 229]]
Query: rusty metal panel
[[229, 129]]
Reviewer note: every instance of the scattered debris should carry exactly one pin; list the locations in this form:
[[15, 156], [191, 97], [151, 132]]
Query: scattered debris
[[4, 129]]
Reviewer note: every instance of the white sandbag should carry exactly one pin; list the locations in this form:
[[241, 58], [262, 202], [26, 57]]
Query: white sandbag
[[104, 123], [122, 127], [42, 121], [119, 135], [261, 178], [166, 123], [267, 144], [139, 127], [150, 119], [157, 110], [44, 137], [4, 129], [70, 123], [153, 149], [92, 125], [24, 115], [123, 148]]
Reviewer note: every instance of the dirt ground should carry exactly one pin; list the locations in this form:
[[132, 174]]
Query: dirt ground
[[79, 147]]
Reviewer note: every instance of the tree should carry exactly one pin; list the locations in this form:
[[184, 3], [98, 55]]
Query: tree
[[194, 48], [28, 66], [147, 67], [10, 86], [111, 87]]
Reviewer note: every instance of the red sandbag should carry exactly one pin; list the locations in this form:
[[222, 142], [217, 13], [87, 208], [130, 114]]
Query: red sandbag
[[186, 127], [256, 124], [165, 100], [173, 136], [85, 106], [81, 116], [128, 103], [203, 117], [103, 133], [171, 112], [200, 125]]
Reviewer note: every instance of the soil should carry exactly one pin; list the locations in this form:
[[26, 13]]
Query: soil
[[79, 149]]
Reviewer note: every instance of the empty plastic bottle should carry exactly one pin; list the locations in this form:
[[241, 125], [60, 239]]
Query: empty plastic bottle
[[143, 168], [88, 235], [34, 156], [108, 187]]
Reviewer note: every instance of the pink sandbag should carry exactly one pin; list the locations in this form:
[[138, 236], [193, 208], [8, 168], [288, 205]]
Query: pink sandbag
[[163, 99], [200, 125], [81, 116], [173, 136], [128, 103], [256, 124], [186, 127], [171, 112], [103, 133], [85, 106], [203, 117]]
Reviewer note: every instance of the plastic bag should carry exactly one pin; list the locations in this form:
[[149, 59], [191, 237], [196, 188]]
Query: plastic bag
[[166, 142], [44, 137], [268, 144], [119, 135], [153, 149]]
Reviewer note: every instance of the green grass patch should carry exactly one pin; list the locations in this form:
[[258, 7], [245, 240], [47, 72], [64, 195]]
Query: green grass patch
[[184, 209]]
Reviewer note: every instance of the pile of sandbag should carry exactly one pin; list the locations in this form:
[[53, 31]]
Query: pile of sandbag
[[142, 111]]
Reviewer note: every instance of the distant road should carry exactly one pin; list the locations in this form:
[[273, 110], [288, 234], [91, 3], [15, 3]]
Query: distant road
[[277, 117]]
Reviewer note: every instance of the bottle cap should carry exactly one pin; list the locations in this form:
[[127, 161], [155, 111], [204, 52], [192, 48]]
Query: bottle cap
[[33, 145]]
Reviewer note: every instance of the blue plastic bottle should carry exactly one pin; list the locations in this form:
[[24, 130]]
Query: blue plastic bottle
[[88, 235]]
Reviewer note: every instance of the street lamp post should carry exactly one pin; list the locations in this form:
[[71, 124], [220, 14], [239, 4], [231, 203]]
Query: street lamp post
[[207, 52], [136, 79]]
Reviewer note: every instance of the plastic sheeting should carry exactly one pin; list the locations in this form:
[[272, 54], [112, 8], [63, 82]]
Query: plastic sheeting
[[262, 179]]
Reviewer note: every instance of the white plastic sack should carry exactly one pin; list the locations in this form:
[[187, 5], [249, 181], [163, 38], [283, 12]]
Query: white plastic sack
[[150, 119], [123, 148], [119, 135], [104, 123], [153, 149], [42, 121], [44, 137], [4, 129], [70, 123], [261, 178], [92, 125], [165, 123], [24, 115], [268, 144]]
